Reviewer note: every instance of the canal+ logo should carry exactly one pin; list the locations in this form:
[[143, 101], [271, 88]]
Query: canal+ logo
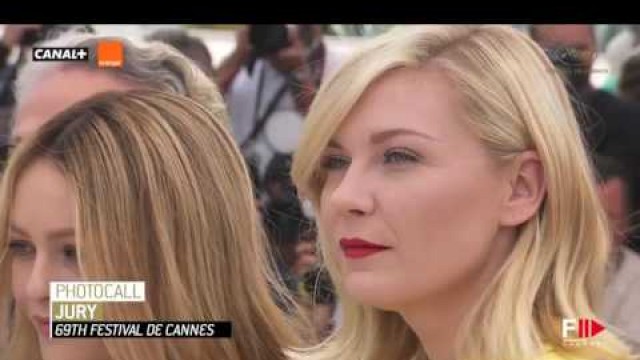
[[60, 54], [109, 53]]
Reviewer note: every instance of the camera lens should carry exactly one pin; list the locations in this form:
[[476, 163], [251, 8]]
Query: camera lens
[[268, 39]]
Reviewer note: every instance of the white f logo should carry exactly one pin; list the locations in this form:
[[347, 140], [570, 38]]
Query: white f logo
[[568, 325]]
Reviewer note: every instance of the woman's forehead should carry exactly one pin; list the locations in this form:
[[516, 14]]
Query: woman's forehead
[[417, 99]]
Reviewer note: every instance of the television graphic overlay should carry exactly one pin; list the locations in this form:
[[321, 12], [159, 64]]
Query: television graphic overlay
[[581, 331], [76, 310]]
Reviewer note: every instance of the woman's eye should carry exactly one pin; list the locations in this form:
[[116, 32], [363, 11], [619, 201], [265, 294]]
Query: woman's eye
[[21, 248], [399, 156], [70, 252], [334, 162]]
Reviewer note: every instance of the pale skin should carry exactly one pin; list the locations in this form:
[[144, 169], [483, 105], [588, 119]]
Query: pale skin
[[57, 91], [404, 171], [306, 258], [42, 242]]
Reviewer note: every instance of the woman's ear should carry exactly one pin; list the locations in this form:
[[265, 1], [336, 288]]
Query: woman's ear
[[528, 188]]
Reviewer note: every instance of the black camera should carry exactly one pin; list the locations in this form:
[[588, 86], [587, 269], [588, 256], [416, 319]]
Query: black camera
[[268, 39]]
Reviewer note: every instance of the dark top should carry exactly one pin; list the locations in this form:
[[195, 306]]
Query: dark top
[[612, 128]]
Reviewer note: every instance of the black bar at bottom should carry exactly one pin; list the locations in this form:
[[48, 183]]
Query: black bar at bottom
[[141, 329]]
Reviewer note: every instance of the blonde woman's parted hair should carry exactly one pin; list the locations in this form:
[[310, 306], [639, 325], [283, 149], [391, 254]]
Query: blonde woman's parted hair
[[163, 196], [514, 100]]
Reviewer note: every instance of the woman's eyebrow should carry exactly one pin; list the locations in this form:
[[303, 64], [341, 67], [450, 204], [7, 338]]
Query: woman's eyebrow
[[381, 136], [334, 144], [63, 233], [17, 229]]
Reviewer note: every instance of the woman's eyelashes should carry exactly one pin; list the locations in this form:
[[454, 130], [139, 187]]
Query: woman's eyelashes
[[394, 156], [400, 156], [70, 253], [334, 162], [21, 249]]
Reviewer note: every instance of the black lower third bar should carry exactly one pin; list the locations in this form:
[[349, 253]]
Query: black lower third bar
[[142, 329]]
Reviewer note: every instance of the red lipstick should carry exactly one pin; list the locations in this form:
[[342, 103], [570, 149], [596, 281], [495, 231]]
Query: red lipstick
[[42, 325], [355, 248]]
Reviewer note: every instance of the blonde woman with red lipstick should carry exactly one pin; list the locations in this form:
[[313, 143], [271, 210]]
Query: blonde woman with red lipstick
[[456, 204]]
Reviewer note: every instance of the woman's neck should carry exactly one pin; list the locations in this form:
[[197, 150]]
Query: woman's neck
[[436, 329], [436, 320]]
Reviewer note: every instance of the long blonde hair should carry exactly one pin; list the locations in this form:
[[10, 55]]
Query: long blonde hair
[[514, 101], [163, 196]]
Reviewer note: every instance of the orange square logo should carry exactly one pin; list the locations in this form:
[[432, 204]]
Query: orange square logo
[[110, 54]]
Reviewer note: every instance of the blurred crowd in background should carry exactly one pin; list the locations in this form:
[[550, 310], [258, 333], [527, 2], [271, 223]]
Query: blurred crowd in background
[[269, 75]]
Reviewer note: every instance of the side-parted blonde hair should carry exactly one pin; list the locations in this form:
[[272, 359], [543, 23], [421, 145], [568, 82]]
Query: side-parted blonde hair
[[163, 196], [514, 101]]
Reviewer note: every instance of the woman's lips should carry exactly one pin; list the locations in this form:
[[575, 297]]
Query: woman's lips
[[42, 325], [356, 248]]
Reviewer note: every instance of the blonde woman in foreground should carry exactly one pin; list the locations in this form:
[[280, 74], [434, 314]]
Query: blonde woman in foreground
[[137, 186], [456, 202]]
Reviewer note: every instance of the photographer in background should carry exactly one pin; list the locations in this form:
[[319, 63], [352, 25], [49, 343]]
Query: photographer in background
[[22, 38], [611, 125], [13, 36], [269, 82], [622, 293], [283, 217]]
